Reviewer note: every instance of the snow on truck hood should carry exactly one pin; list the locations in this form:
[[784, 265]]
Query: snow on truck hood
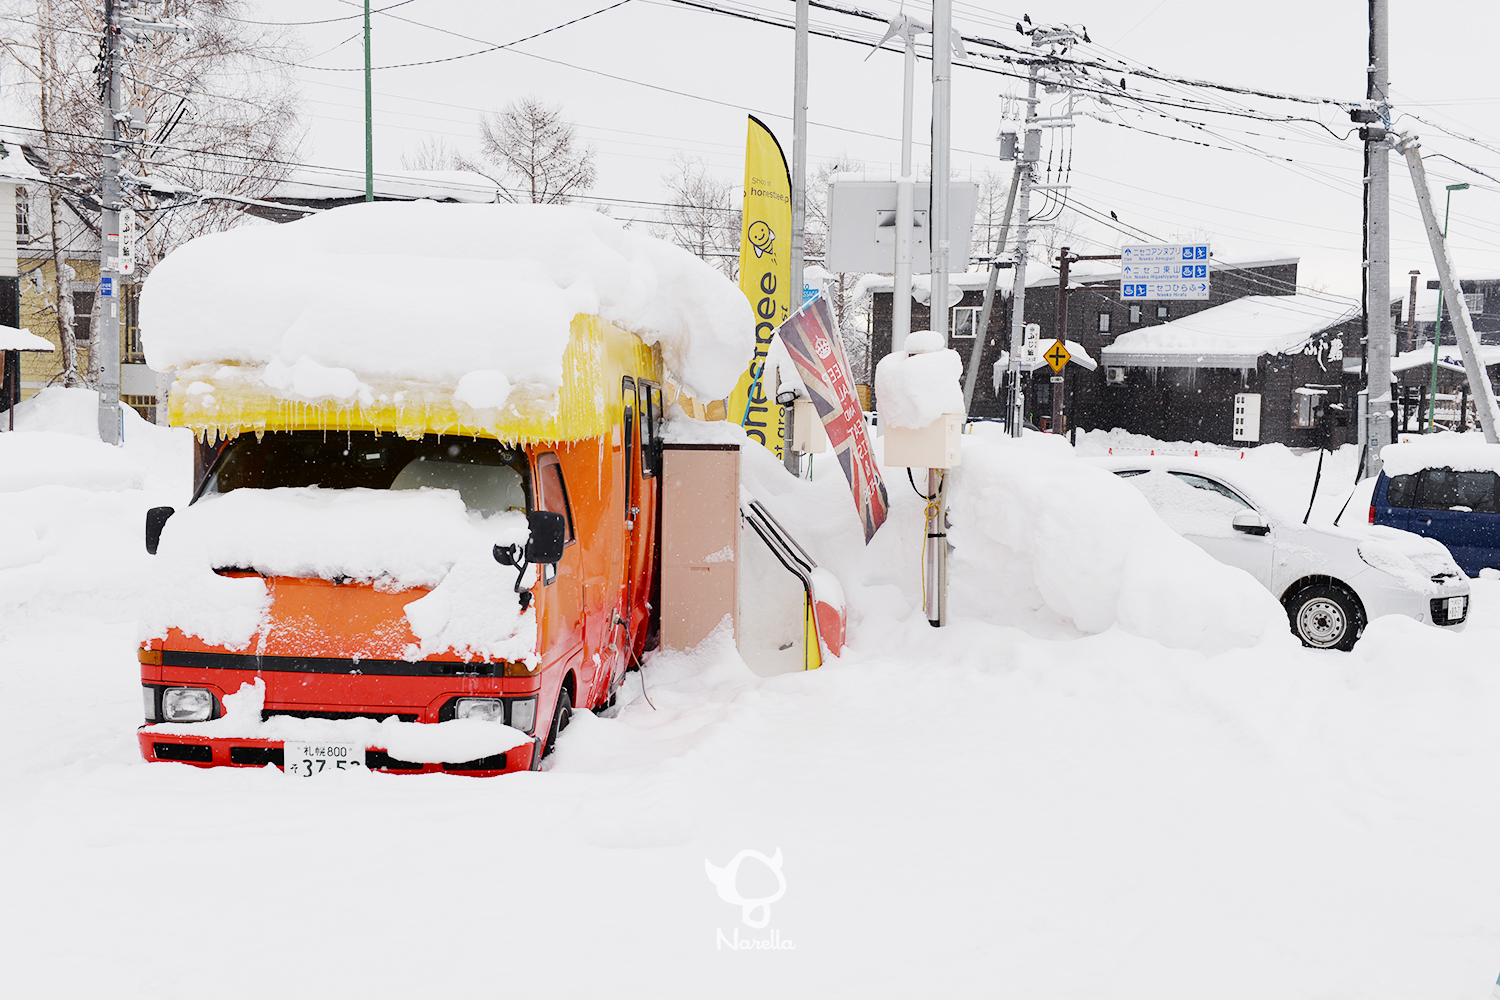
[[477, 299], [395, 539]]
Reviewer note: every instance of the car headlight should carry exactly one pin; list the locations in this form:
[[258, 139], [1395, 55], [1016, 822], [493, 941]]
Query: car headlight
[[186, 704], [523, 714], [488, 709]]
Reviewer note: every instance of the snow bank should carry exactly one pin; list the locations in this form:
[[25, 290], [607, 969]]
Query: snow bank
[[452, 742], [45, 458], [1096, 552], [1459, 452], [395, 539], [915, 387], [432, 293], [73, 508]]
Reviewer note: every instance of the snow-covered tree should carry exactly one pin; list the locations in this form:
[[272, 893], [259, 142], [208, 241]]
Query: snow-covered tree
[[701, 214], [217, 106], [536, 153]]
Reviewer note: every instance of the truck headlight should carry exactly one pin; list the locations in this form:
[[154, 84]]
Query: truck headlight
[[488, 709], [523, 714], [186, 704]]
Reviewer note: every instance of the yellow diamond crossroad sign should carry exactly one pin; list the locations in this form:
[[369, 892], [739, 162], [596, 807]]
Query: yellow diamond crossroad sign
[[1057, 355]]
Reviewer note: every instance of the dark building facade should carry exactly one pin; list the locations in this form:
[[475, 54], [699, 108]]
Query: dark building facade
[[1096, 316]]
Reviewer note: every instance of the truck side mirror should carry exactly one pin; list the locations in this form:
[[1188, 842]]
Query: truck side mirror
[[548, 535], [156, 519]]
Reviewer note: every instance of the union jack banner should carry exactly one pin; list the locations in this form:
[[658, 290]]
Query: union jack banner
[[811, 337]]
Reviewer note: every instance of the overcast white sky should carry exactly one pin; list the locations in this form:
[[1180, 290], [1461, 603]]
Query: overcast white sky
[[682, 80]]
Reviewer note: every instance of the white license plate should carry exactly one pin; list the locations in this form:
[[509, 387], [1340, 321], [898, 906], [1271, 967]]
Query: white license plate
[[308, 760], [1455, 608]]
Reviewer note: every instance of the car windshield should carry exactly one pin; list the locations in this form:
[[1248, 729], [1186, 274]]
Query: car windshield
[[488, 475]]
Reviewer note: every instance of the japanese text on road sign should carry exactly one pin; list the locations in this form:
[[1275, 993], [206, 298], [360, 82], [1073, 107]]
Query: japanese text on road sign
[[1164, 271]]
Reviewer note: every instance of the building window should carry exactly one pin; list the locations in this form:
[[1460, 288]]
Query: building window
[[1305, 414], [1104, 322], [83, 305], [965, 321], [1161, 311], [23, 215], [1475, 302], [1135, 315]]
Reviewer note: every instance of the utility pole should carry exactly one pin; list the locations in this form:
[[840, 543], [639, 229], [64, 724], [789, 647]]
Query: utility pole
[[1064, 259], [1026, 157], [936, 569], [906, 187], [937, 215], [111, 420], [981, 329], [369, 116], [1378, 265], [792, 459], [1463, 323], [111, 200]]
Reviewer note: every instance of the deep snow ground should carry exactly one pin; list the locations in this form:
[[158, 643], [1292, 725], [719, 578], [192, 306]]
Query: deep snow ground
[[1013, 809]]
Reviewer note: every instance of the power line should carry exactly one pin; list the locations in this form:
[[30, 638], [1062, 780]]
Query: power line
[[446, 59], [291, 24]]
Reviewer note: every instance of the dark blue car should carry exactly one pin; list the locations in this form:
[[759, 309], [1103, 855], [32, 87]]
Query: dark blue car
[[1459, 509]]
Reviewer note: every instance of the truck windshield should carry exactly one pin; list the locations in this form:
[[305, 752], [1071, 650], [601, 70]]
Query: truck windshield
[[490, 476]]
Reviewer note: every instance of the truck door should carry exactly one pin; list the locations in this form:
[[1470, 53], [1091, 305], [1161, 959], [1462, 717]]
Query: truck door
[[643, 539], [561, 606]]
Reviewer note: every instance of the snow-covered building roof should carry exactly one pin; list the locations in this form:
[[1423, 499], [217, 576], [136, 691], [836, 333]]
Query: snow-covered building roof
[[1232, 335], [13, 339], [311, 185], [1449, 356]]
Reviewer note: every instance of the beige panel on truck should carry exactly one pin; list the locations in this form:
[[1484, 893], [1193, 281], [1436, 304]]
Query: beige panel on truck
[[700, 541]]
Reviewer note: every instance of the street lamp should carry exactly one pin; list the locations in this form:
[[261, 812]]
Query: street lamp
[[1437, 329]]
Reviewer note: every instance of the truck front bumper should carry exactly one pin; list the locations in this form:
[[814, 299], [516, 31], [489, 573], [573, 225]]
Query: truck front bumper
[[210, 751]]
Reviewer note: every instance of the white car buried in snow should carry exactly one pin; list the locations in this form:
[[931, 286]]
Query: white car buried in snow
[[1332, 580]]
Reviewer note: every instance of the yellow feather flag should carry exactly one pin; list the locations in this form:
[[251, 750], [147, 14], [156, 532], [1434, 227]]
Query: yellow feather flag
[[765, 278]]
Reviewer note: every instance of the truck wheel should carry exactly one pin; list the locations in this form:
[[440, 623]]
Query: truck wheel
[[561, 716], [1325, 616]]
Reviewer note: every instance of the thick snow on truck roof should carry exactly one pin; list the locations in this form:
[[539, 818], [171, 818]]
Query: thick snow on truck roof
[[423, 317]]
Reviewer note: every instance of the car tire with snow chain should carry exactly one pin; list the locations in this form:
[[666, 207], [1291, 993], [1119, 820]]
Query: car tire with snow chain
[[1325, 616], [561, 716]]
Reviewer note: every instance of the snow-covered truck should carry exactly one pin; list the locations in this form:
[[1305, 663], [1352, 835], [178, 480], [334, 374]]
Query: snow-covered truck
[[427, 529]]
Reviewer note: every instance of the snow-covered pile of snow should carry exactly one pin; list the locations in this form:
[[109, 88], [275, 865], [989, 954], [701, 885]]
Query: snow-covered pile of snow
[[358, 299], [48, 458], [74, 508], [916, 386], [453, 741], [1093, 550], [1459, 452], [396, 539]]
